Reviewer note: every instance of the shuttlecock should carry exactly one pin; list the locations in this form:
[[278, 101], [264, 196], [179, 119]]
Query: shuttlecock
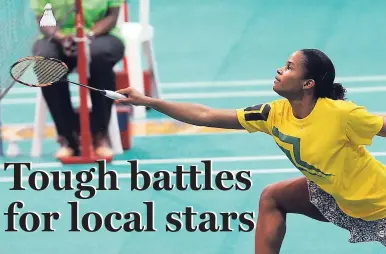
[[48, 18], [13, 149]]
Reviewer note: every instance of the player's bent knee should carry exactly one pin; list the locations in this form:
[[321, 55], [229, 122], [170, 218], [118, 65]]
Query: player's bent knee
[[267, 197]]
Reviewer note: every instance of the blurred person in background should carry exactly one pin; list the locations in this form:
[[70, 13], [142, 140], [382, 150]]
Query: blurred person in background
[[106, 50]]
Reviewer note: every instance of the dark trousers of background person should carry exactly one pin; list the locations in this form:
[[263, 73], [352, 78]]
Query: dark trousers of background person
[[105, 52]]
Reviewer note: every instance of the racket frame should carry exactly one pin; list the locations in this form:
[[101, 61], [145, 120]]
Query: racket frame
[[39, 58], [107, 93]]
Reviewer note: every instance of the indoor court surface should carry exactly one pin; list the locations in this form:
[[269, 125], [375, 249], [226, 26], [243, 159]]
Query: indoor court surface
[[221, 53]]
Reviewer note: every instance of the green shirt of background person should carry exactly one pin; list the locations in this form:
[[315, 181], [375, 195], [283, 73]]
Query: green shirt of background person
[[100, 17]]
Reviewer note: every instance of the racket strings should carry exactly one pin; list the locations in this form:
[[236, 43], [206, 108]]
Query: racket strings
[[37, 71], [19, 69], [48, 72]]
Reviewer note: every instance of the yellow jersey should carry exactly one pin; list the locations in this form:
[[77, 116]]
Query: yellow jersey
[[327, 146]]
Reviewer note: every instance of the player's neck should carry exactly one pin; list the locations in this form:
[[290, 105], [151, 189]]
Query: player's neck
[[303, 107]]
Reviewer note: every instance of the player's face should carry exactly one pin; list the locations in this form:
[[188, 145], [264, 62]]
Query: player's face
[[289, 79]]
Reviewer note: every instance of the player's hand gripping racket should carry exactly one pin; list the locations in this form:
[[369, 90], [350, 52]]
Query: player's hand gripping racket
[[38, 71]]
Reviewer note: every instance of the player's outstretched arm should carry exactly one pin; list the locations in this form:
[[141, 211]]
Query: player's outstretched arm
[[190, 113]]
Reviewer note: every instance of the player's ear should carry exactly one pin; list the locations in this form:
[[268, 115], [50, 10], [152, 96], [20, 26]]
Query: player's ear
[[309, 83]]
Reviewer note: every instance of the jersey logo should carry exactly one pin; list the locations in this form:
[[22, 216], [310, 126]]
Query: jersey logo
[[296, 161], [257, 113]]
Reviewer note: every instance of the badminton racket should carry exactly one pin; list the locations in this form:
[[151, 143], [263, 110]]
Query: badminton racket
[[38, 71]]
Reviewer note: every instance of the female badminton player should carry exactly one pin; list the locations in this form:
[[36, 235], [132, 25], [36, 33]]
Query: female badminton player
[[322, 134]]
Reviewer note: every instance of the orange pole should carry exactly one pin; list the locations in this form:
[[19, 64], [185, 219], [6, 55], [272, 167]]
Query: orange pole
[[87, 153], [126, 19], [126, 11], [82, 66]]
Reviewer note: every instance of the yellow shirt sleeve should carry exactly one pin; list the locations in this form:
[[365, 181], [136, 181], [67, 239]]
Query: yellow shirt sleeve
[[362, 125], [255, 118]]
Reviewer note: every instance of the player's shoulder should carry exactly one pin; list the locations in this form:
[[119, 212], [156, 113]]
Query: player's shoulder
[[339, 106], [275, 106], [326, 104], [262, 110], [279, 103], [279, 106]]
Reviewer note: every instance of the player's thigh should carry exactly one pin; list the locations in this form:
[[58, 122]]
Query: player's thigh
[[292, 196]]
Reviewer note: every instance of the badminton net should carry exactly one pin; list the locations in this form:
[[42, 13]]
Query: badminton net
[[18, 32]]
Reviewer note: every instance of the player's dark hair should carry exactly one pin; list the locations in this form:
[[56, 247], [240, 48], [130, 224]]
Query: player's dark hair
[[319, 67]]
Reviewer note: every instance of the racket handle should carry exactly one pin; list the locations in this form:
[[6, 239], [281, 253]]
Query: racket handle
[[114, 95]]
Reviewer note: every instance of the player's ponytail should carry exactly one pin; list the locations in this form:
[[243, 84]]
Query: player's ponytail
[[338, 92], [318, 66]]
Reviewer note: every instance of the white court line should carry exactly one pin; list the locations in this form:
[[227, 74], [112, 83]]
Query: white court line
[[136, 121], [42, 165], [144, 121], [232, 83], [205, 95], [33, 90], [214, 172], [263, 82], [266, 93]]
